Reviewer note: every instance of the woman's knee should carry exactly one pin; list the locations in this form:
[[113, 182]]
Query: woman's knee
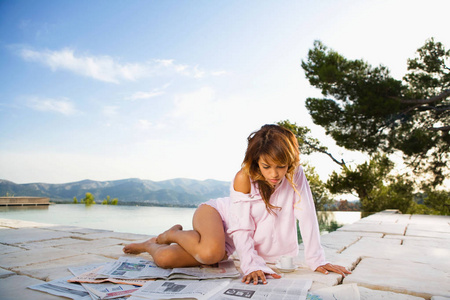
[[210, 254], [165, 258]]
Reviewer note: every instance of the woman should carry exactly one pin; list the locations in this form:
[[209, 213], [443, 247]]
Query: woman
[[258, 220]]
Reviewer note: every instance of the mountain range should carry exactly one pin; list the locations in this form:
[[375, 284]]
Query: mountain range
[[174, 192]]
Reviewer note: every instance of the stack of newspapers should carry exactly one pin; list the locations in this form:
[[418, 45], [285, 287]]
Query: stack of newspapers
[[127, 275], [135, 278]]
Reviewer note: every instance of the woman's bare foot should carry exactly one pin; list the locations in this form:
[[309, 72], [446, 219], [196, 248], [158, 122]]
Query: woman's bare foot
[[137, 248], [165, 237]]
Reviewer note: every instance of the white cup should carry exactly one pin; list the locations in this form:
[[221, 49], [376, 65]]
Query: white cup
[[286, 262]]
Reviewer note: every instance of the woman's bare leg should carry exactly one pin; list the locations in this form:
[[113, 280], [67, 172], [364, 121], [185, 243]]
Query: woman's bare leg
[[203, 245]]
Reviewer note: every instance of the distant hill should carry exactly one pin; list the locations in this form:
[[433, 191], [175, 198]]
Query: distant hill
[[174, 192]]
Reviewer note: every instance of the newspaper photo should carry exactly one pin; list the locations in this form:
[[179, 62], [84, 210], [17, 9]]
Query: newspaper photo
[[139, 268], [197, 289], [276, 289]]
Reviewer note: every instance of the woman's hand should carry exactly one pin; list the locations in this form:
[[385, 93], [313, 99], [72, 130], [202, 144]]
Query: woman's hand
[[333, 268], [257, 275]]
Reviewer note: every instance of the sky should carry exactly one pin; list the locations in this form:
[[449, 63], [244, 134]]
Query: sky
[[110, 89]]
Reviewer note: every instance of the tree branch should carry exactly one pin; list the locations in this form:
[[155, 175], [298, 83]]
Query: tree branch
[[341, 163], [441, 96], [443, 128]]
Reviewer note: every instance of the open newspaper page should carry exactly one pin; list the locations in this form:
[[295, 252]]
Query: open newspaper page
[[198, 289], [224, 269], [94, 277], [61, 287], [109, 290], [139, 268], [103, 290], [134, 268], [78, 270], [276, 289]]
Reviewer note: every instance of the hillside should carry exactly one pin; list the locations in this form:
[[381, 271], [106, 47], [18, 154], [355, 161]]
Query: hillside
[[174, 192]]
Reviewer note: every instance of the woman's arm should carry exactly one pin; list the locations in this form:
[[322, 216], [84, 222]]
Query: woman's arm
[[242, 229], [305, 212]]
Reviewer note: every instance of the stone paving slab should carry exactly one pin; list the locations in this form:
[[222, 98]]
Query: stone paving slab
[[429, 219], [426, 233], [83, 245], [113, 252], [24, 235], [420, 241], [401, 277], [387, 218], [340, 240], [5, 273], [23, 258], [391, 249], [439, 227], [8, 249], [130, 237], [368, 294], [373, 227], [51, 270], [49, 243], [75, 229]]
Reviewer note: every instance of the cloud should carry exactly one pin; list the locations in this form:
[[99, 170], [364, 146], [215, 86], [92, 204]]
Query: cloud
[[145, 125], [102, 68], [106, 68], [62, 106], [219, 73], [147, 95], [144, 95], [110, 110], [181, 69]]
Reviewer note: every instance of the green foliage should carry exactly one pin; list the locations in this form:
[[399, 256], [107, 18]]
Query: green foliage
[[89, 199], [365, 109], [437, 201], [375, 187], [75, 201], [319, 190], [108, 201], [307, 144]]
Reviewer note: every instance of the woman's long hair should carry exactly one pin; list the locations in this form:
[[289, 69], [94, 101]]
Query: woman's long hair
[[281, 146]]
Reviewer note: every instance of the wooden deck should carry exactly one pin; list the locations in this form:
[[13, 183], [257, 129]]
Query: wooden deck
[[24, 201]]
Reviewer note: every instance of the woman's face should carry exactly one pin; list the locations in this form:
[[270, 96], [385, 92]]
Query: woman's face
[[272, 172]]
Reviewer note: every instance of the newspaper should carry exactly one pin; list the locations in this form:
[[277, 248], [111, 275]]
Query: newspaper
[[61, 287], [109, 290], [197, 289], [93, 277], [139, 268], [97, 288], [338, 292], [276, 289], [78, 270]]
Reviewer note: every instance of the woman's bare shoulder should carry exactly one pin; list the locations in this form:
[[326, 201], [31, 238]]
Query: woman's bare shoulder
[[242, 183]]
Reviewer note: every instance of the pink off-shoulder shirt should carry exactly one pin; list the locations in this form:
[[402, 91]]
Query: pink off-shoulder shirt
[[259, 237]]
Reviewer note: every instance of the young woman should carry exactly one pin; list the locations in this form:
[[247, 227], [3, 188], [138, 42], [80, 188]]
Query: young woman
[[258, 220]]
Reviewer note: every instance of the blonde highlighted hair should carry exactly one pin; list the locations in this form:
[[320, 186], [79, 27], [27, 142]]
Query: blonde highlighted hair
[[281, 146]]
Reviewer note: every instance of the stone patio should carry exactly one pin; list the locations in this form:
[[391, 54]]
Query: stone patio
[[392, 256]]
